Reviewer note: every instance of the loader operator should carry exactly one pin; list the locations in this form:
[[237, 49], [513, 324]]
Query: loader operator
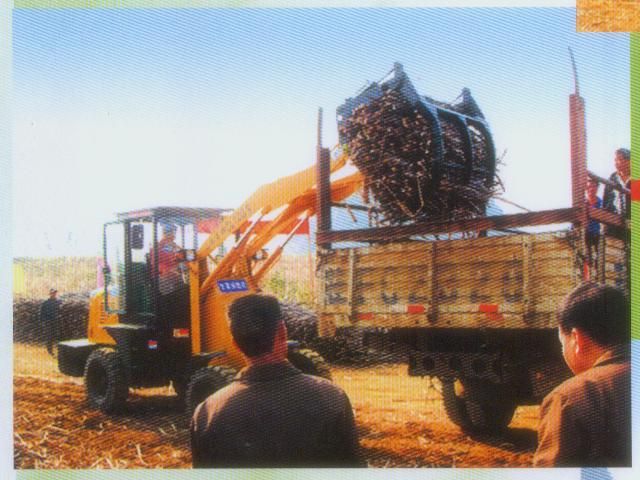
[[586, 421], [173, 300], [272, 415], [169, 277]]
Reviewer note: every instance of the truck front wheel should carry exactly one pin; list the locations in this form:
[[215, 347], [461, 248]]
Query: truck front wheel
[[105, 381], [478, 407]]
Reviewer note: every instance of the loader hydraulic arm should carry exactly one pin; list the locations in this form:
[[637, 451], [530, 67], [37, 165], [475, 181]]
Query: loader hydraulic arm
[[280, 207], [294, 195]]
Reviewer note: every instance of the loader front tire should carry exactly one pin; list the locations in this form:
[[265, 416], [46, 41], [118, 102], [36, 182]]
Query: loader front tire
[[180, 387], [204, 382], [105, 381], [309, 362]]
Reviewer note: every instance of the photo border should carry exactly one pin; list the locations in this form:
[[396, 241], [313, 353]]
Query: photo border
[[5, 246]]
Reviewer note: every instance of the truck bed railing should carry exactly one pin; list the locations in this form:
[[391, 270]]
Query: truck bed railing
[[501, 222]]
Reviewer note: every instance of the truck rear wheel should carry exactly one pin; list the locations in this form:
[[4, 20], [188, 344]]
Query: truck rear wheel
[[309, 362], [204, 382], [482, 408], [105, 381]]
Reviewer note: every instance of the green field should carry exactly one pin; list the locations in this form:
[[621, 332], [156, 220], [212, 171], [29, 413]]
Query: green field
[[289, 280], [33, 277]]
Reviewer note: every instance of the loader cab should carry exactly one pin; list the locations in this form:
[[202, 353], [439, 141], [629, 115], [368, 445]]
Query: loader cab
[[145, 274]]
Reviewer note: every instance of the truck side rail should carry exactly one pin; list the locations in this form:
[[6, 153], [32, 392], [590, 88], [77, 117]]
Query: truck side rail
[[529, 219]]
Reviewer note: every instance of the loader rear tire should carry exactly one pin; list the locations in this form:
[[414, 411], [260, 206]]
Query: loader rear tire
[[204, 382], [105, 381], [484, 409], [309, 362]]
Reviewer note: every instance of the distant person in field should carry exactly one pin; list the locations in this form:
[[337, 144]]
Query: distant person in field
[[614, 200], [49, 311], [586, 420], [592, 234], [272, 415]]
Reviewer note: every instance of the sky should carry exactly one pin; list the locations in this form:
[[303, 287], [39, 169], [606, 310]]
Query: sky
[[116, 110]]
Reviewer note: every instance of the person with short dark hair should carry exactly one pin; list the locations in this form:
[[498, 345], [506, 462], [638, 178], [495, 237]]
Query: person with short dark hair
[[254, 322], [272, 415], [49, 311], [586, 421]]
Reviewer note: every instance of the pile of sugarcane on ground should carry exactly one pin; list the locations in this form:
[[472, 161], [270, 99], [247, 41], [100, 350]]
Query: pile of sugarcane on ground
[[392, 144], [28, 327], [302, 327], [346, 347]]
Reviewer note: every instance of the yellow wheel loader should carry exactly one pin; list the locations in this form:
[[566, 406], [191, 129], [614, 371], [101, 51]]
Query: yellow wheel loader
[[161, 316]]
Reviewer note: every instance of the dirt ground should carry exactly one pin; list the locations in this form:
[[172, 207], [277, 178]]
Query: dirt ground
[[608, 15], [401, 421]]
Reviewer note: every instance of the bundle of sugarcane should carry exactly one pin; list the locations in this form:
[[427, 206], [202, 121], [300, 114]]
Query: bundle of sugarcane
[[26, 327], [301, 323], [395, 147], [72, 319], [74, 315]]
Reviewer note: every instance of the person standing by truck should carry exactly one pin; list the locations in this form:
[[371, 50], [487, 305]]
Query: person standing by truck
[[49, 312], [272, 415], [614, 200], [592, 234], [586, 421]]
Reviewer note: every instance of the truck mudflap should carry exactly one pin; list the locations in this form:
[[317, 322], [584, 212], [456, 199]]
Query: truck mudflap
[[73, 354]]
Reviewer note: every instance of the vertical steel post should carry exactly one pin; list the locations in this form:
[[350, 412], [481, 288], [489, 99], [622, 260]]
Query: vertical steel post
[[578, 149], [579, 173], [578, 152], [323, 185]]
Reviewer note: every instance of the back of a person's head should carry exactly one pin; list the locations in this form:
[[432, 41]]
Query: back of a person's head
[[254, 320], [600, 311]]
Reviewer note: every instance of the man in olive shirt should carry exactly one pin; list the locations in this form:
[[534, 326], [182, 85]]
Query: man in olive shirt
[[272, 415], [586, 421]]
